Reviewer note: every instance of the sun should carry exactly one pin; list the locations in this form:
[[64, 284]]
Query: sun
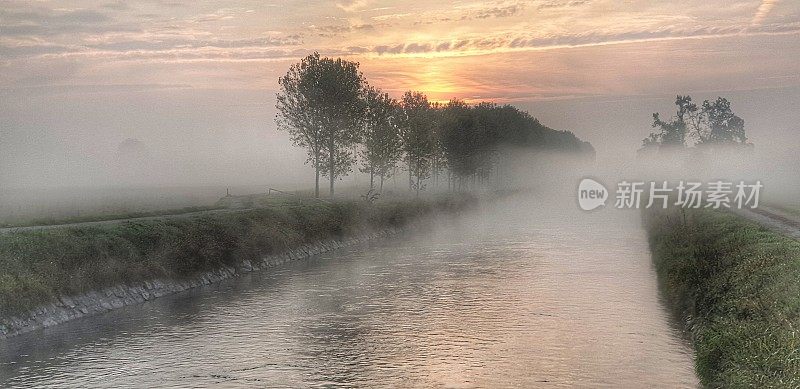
[[438, 81], [441, 79]]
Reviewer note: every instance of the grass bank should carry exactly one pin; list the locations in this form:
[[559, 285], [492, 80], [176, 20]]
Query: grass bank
[[106, 216], [38, 266], [737, 287]]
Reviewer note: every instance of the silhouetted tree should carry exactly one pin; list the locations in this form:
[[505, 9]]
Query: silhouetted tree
[[722, 126], [320, 105], [469, 136], [672, 133], [456, 123], [298, 117], [417, 133], [381, 136], [709, 125], [326, 106]]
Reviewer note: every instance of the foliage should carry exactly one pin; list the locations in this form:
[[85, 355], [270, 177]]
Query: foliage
[[327, 107], [417, 124], [296, 114], [101, 216], [381, 135], [40, 265], [320, 106], [738, 287], [722, 126], [472, 135], [712, 124], [468, 136]]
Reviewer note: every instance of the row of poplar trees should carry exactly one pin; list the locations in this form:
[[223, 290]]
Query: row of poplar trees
[[328, 108]]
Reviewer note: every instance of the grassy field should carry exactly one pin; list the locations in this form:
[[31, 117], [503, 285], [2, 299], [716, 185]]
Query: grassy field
[[37, 266], [737, 286], [106, 216]]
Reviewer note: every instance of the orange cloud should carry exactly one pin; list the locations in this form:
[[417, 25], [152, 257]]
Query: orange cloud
[[763, 10]]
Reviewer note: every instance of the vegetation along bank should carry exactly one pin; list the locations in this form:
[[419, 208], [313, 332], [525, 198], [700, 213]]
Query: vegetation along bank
[[49, 276], [736, 285]]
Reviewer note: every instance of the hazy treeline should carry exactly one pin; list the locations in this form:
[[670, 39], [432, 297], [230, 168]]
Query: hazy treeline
[[327, 107], [707, 126]]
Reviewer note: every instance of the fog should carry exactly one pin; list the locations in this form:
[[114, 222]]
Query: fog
[[145, 147]]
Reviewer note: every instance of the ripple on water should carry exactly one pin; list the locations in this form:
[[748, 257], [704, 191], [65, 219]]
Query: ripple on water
[[501, 301]]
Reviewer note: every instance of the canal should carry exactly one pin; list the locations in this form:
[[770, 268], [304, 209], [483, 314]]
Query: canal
[[513, 295]]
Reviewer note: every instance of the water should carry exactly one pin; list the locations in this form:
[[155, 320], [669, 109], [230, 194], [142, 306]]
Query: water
[[509, 297]]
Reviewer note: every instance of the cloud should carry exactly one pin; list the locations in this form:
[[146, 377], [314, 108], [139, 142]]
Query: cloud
[[139, 38], [330, 31], [49, 22], [352, 5], [562, 4], [38, 17], [499, 12], [762, 12], [117, 6], [520, 42], [391, 16]]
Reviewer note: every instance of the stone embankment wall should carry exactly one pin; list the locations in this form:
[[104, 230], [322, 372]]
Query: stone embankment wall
[[68, 308]]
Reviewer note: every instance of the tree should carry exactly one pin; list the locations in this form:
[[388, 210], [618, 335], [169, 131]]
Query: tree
[[438, 159], [456, 124], [672, 133], [721, 125], [381, 137], [297, 116], [320, 106], [469, 136], [709, 125], [489, 118], [327, 107], [417, 134]]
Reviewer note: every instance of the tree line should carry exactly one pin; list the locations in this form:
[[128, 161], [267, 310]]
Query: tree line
[[327, 107], [710, 125]]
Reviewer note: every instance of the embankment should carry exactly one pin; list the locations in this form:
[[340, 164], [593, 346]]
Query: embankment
[[736, 285], [50, 276]]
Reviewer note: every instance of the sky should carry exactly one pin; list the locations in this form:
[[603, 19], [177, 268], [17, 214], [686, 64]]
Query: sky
[[195, 80]]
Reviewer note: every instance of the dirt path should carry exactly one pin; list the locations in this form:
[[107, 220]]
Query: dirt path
[[776, 219]]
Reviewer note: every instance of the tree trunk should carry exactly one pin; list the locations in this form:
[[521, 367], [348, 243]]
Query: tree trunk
[[316, 173], [331, 166], [381, 183], [435, 173], [410, 175], [371, 178], [316, 183]]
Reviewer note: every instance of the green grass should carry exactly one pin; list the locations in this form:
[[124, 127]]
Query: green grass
[[737, 286], [38, 266], [105, 216]]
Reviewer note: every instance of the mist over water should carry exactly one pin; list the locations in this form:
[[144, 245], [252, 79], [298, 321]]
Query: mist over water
[[525, 292], [123, 124], [62, 149]]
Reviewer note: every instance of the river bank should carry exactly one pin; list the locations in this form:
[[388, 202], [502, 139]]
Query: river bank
[[51, 276], [510, 294], [736, 285]]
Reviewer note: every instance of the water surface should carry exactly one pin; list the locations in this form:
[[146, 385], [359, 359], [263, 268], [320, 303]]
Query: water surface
[[513, 296]]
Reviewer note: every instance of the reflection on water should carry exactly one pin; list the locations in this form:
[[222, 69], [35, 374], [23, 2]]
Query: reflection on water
[[513, 296]]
